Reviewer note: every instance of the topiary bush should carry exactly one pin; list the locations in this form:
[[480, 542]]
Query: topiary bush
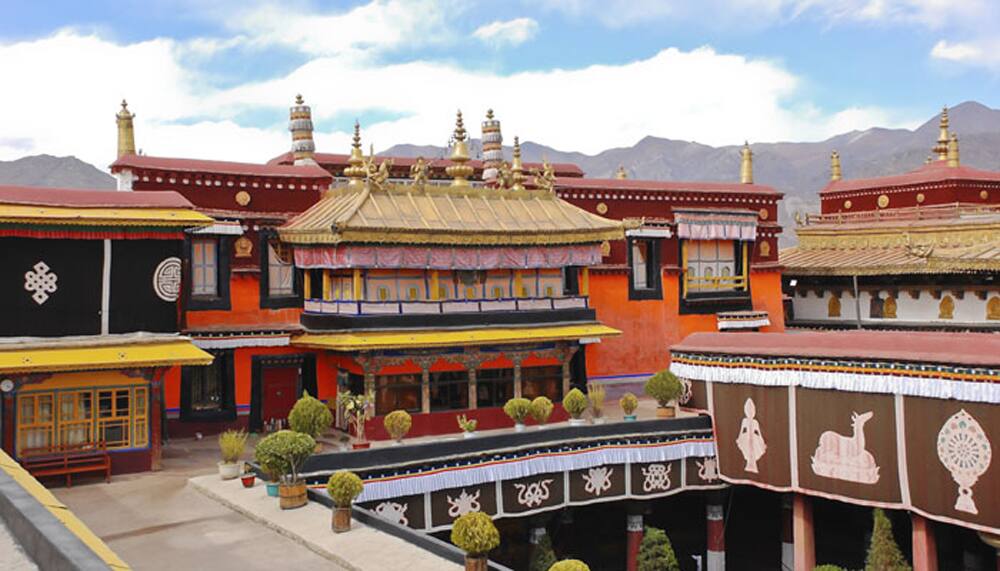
[[883, 553], [397, 423], [542, 555], [310, 416], [570, 565], [343, 487], [232, 443], [475, 534], [664, 387], [283, 453], [629, 403], [541, 409], [656, 553], [517, 409], [575, 403]]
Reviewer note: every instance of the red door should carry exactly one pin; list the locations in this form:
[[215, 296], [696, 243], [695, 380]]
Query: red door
[[279, 384]]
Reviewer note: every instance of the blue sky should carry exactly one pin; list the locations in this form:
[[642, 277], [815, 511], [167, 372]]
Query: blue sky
[[213, 80]]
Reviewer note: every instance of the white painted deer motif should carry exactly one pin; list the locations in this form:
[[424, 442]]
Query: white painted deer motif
[[844, 457]]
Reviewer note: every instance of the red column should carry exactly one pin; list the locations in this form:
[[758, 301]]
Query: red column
[[787, 538], [633, 537], [924, 544], [716, 560], [802, 531]]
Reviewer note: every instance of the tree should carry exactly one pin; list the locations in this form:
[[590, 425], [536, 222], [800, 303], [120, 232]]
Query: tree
[[883, 553], [542, 556], [656, 553]]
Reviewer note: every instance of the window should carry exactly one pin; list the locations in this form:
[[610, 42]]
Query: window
[[207, 392], [644, 265], [712, 265], [412, 294], [117, 416], [496, 292], [397, 392], [494, 387], [204, 267], [280, 275], [542, 381], [640, 264], [449, 390]]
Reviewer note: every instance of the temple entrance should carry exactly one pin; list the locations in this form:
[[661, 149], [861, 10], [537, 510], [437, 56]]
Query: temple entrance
[[278, 382], [280, 391]]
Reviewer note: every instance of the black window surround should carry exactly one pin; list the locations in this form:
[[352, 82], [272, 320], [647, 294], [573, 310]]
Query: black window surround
[[654, 281], [706, 302], [494, 387], [267, 301], [224, 367], [392, 392], [449, 390], [202, 302]]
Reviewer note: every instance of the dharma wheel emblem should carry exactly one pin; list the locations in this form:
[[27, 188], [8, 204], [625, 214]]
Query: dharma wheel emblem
[[167, 279], [965, 451]]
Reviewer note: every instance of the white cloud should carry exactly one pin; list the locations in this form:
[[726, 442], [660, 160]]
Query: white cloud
[[980, 52], [507, 33]]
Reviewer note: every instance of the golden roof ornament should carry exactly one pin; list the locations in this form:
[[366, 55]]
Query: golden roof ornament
[[301, 126], [620, 174], [459, 170], [356, 170], [418, 172], [126, 131], [835, 174], [941, 149], [516, 168], [953, 151], [546, 178], [746, 164]]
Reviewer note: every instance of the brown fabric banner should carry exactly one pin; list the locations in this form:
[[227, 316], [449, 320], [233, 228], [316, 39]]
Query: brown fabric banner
[[751, 430], [598, 482], [447, 505], [407, 510], [533, 493]]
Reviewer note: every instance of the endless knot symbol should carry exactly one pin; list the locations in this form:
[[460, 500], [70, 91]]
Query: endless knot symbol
[[463, 504], [598, 480], [657, 477], [167, 279], [41, 281], [533, 494]]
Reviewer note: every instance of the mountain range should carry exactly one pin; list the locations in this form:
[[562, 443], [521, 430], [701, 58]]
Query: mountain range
[[799, 170]]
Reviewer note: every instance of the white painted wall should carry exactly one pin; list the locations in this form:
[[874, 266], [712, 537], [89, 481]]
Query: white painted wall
[[924, 309]]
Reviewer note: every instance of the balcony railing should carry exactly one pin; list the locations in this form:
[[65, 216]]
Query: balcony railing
[[348, 307], [715, 283], [908, 214]]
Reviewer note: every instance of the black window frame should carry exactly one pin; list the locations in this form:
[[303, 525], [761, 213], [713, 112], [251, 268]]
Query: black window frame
[[457, 396], [555, 379], [268, 301], [395, 388], [203, 302], [571, 280], [494, 387], [712, 301], [654, 278], [225, 364]]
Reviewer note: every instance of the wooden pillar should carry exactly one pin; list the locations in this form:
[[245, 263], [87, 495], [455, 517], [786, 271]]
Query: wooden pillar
[[358, 285], [518, 283], [306, 284], [327, 285], [425, 389], [746, 264], [684, 268], [585, 281], [8, 429], [924, 544], [716, 529], [435, 285], [155, 418], [518, 388], [802, 531], [567, 357], [787, 537], [633, 538], [473, 389]]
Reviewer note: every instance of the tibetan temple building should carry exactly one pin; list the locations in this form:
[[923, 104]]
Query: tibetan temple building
[[919, 250]]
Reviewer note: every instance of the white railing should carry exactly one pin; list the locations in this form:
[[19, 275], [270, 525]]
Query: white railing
[[338, 307]]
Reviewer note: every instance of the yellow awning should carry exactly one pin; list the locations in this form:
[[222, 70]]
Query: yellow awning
[[356, 341], [75, 216], [100, 356]]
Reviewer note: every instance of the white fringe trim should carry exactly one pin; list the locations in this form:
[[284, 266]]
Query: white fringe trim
[[881, 384]]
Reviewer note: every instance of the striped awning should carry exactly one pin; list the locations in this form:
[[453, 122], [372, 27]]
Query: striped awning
[[716, 224]]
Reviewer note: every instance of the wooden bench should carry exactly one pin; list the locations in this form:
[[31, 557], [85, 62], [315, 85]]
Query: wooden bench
[[66, 460]]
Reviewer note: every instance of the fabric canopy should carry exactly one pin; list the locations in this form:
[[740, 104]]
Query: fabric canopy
[[716, 224], [446, 257], [82, 357]]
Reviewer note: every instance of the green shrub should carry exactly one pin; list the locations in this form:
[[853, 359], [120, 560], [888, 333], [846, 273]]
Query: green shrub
[[397, 423], [542, 555], [343, 487], [656, 553], [232, 443], [575, 403], [517, 409], [828, 567], [570, 565], [541, 409], [283, 453], [629, 403], [664, 387], [883, 553], [467, 424], [310, 416], [596, 394], [475, 534]]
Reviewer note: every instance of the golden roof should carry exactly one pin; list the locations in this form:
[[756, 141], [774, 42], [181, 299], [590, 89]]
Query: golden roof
[[424, 214]]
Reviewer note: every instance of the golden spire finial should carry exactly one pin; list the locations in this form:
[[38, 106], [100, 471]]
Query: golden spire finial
[[746, 164], [620, 174], [126, 131], [953, 150], [355, 172], [835, 166], [298, 99], [516, 168], [459, 170], [301, 126], [942, 143]]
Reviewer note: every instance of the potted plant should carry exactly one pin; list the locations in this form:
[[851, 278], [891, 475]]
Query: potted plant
[[665, 387], [232, 443], [541, 410], [575, 404], [286, 451], [570, 565], [883, 551], [468, 425], [357, 407], [310, 416], [475, 534], [596, 394], [343, 487], [629, 403], [397, 423], [248, 478], [517, 409], [656, 553]]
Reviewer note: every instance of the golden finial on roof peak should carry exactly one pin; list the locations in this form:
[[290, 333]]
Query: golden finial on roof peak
[[516, 167], [746, 164], [126, 132], [835, 173], [953, 150], [941, 148], [459, 127], [355, 172], [459, 170], [299, 100], [489, 113], [357, 135], [620, 174]]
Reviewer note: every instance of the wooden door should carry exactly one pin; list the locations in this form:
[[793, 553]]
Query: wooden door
[[280, 391]]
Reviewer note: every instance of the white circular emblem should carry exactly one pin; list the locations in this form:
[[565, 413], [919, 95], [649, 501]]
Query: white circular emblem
[[6, 385], [167, 279]]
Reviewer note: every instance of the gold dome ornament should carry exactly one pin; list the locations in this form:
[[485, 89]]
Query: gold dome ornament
[[243, 247], [848, 204], [921, 198], [883, 200], [243, 198], [763, 214], [605, 249], [765, 249], [984, 195], [459, 170], [602, 208]]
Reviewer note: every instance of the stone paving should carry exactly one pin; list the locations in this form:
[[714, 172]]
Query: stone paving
[[12, 558]]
